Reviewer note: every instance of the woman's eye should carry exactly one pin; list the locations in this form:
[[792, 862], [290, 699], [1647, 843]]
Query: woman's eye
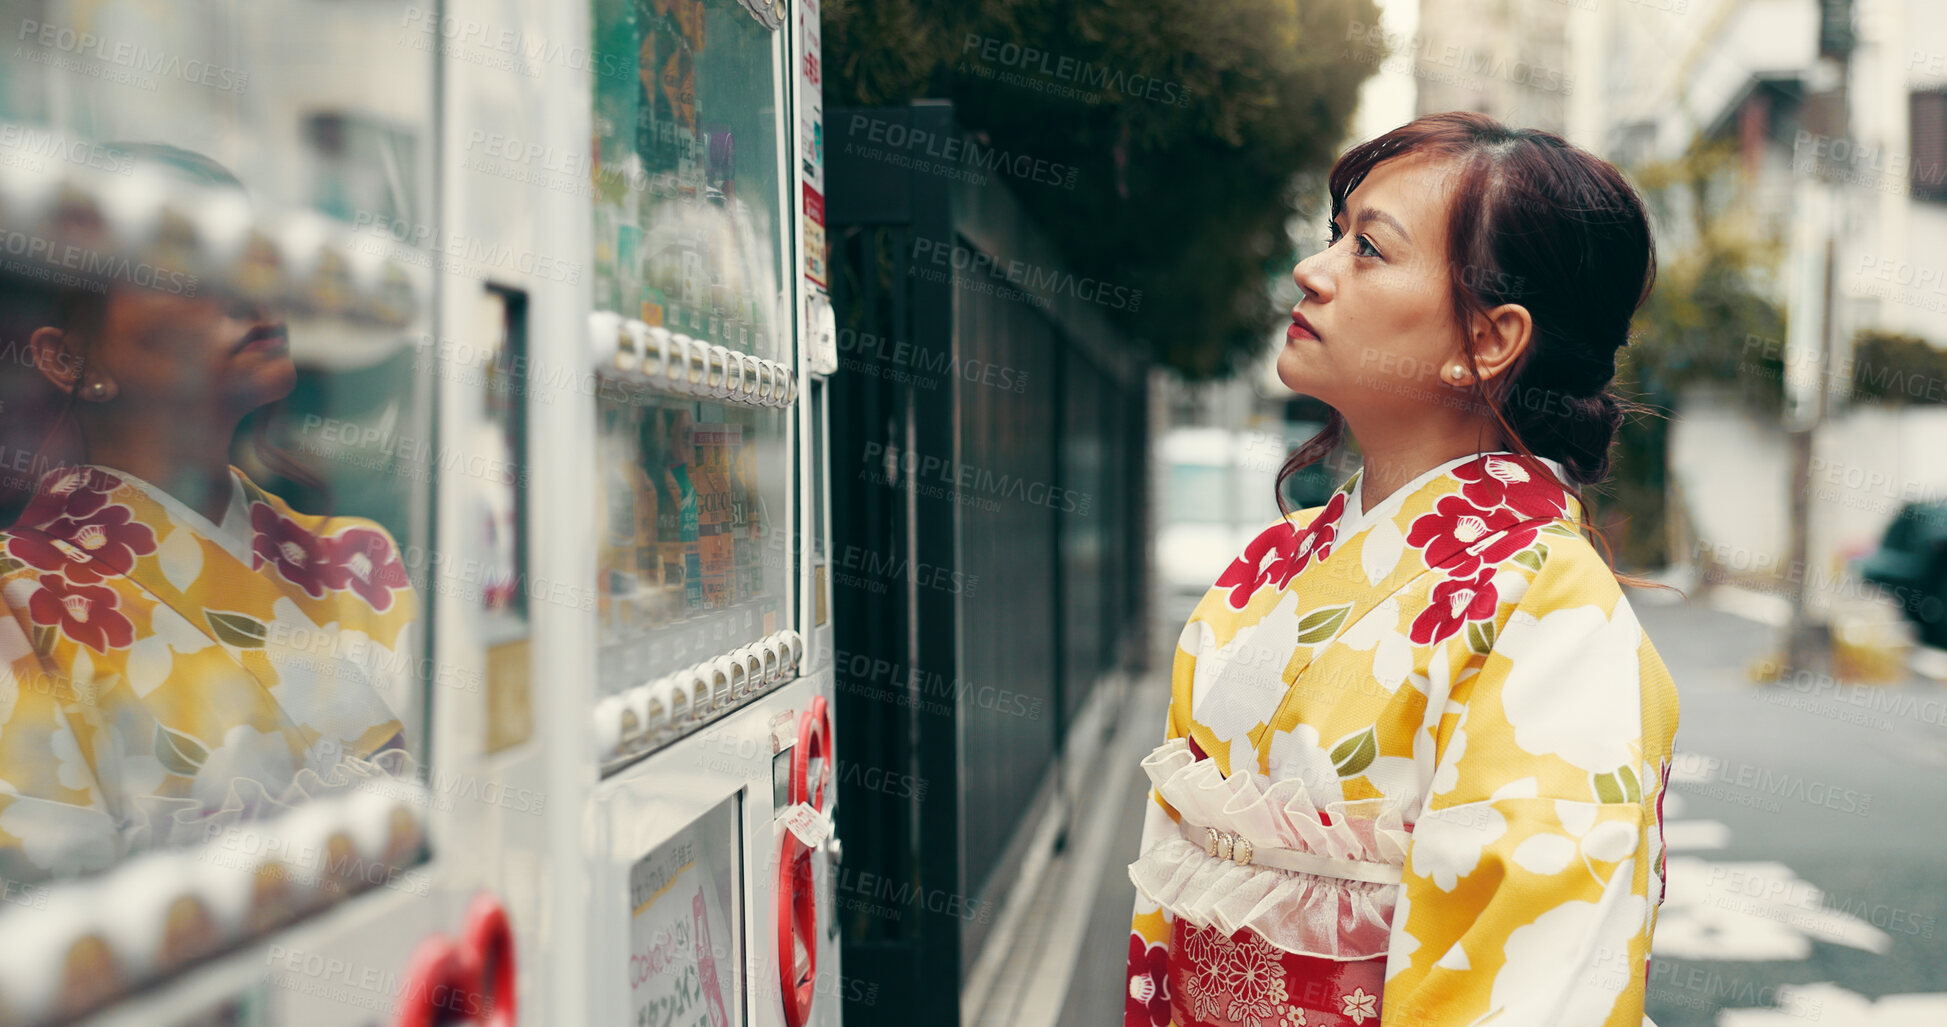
[[1366, 244]]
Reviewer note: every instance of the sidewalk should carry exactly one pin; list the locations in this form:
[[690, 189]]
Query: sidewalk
[[1064, 947]]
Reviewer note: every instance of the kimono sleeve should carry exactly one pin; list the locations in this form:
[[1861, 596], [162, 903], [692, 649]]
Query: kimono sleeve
[[53, 817], [1532, 877], [1147, 1000]]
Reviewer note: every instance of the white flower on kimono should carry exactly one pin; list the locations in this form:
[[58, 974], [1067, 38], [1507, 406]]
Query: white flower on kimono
[[70, 766], [1446, 772], [1381, 549], [1359, 1005], [1292, 1017], [1550, 853], [9, 690], [1575, 944], [1298, 755], [1572, 690], [56, 835], [1399, 951], [249, 754], [1240, 685], [1378, 631], [1447, 843]]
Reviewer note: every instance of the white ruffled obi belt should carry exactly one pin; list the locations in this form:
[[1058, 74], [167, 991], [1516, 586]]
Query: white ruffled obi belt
[[1311, 881]]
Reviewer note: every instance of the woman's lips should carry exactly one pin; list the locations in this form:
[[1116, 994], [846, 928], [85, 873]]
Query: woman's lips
[[263, 337], [1300, 328]]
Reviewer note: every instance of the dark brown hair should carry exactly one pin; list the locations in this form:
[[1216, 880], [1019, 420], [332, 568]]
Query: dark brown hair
[[1542, 223]]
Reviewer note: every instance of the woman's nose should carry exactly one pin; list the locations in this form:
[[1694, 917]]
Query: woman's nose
[[1309, 275]]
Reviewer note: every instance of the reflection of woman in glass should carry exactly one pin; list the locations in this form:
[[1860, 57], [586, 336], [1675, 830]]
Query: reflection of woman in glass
[[183, 647]]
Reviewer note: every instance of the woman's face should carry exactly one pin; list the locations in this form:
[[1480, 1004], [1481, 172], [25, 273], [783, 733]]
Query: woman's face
[[191, 353], [1378, 300]]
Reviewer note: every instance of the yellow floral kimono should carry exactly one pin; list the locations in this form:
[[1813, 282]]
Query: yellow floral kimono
[[164, 675], [1412, 773]]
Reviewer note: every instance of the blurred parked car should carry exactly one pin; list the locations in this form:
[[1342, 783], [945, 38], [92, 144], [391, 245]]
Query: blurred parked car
[[1911, 562], [1217, 495]]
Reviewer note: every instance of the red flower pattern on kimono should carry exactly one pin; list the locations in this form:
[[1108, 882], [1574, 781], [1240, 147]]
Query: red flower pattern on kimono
[[1455, 601], [364, 561], [110, 538], [1264, 558], [1513, 481], [1453, 526], [1280, 552], [1316, 541], [1148, 1004], [301, 558], [1508, 543], [88, 614], [77, 492]]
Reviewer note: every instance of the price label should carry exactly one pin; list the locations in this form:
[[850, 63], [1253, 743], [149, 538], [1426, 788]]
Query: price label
[[811, 826]]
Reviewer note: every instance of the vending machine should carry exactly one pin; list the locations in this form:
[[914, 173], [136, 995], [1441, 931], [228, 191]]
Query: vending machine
[[505, 697]]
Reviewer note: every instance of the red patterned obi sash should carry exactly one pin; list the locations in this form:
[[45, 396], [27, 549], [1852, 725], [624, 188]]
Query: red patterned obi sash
[[1242, 981]]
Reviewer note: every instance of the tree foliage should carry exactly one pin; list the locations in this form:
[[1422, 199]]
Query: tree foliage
[[1712, 317], [1210, 115]]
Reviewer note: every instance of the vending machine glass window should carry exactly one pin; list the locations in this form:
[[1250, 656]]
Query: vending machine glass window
[[215, 559], [695, 351], [691, 551], [687, 229]]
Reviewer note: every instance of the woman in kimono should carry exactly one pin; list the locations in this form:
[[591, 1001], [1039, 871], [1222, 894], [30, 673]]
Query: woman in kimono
[[1417, 743], [179, 647]]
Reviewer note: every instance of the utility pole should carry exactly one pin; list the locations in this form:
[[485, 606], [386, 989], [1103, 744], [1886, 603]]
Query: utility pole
[[1810, 342]]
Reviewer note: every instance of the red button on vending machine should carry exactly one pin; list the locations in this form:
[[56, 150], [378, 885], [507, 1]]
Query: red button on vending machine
[[468, 981], [797, 899]]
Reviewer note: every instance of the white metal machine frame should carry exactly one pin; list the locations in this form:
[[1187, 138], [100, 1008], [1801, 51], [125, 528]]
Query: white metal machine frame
[[556, 859]]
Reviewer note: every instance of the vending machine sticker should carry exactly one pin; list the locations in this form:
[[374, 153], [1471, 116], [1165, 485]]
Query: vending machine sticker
[[811, 142], [680, 953]]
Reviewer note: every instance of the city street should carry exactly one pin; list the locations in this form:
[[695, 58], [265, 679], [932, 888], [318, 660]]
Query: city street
[[1804, 831]]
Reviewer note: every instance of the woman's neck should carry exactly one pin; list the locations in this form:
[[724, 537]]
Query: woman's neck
[[188, 461], [1392, 459]]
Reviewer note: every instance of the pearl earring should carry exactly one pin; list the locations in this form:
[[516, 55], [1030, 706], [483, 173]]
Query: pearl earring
[[98, 389], [1455, 372]]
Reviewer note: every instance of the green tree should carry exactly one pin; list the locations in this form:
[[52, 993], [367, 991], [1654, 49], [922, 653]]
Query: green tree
[[1711, 318], [1212, 119]]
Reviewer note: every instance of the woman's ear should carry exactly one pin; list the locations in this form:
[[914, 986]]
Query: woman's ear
[[1501, 336], [60, 365]]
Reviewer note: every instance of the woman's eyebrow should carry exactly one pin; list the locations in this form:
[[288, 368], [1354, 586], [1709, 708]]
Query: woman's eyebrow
[[1374, 214]]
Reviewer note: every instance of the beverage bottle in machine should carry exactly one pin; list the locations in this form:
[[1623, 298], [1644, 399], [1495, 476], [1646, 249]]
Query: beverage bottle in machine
[[713, 510], [688, 520], [615, 559]]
